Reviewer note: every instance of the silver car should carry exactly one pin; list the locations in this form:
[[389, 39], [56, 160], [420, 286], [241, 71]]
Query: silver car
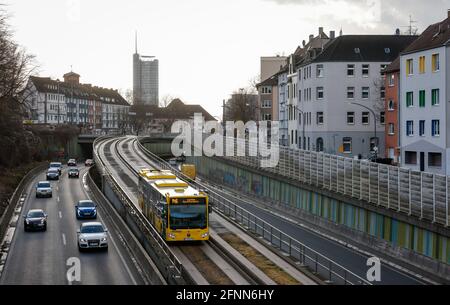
[[92, 235], [44, 189]]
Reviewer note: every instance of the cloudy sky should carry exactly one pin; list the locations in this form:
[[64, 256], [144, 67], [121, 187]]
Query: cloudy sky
[[207, 48]]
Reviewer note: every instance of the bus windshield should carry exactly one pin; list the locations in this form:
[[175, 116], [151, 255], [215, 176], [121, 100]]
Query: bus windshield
[[184, 217]]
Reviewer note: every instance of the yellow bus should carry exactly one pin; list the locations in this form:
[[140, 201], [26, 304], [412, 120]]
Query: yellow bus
[[175, 209]]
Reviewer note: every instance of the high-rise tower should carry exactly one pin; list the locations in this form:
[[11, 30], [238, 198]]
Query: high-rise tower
[[145, 78]]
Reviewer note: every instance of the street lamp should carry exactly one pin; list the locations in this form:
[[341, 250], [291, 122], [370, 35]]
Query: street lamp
[[375, 148]]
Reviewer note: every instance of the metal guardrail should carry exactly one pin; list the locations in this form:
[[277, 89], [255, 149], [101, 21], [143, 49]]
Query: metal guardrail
[[303, 254], [418, 194], [174, 268]]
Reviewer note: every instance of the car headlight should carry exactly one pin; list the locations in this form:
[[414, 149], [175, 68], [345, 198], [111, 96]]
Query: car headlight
[[104, 239], [83, 240], [42, 221], [27, 221]]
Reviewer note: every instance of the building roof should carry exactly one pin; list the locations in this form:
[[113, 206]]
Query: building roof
[[364, 48], [107, 96], [436, 35], [394, 66], [271, 81], [175, 110]]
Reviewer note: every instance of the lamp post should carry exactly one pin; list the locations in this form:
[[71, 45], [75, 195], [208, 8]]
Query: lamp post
[[375, 148], [58, 101]]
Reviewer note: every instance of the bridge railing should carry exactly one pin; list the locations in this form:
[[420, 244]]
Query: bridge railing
[[304, 255], [172, 267], [417, 194]]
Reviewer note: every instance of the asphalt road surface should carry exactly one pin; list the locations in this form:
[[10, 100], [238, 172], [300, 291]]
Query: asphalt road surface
[[42, 257]]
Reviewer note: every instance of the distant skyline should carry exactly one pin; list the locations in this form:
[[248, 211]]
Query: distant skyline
[[206, 48]]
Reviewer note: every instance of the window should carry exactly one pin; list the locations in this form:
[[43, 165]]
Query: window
[[410, 128], [422, 64], [365, 92], [365, 118], [435, 64], [365, 70], [319, 93], [409, 67], [435, 128], [411, 157], [350, 118], [422, 128], [391, 80], [351, 70], [319, 118], [319, 71], [435, 159], [435, 97], [422, 98], [351, 92], [409, 99], [319, 145], [347, 145], [391, 129], [391, 105], [299, 95], [382, 93], [267, 104], [382, 118]]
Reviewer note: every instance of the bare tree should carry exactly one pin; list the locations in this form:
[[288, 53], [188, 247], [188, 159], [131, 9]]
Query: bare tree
[[243, 106], [166, 100], [127, 95], [379, 98]]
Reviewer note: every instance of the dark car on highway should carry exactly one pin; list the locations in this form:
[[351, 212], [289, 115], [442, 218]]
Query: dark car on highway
[[53, 174], [73, 172], [35, 220], [86, 209]]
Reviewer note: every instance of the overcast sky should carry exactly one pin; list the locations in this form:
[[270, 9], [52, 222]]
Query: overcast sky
[[207, 48]]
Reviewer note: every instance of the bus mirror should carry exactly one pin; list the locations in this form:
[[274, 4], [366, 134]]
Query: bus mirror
[[210, 210]]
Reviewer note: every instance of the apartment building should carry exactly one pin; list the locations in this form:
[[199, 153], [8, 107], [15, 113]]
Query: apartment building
[[424, 99], [341, 94], [392, 127], [70, 102]]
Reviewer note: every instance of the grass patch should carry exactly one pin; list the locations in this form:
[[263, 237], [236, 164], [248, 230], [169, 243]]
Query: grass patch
[[255, 257], [210, 271]]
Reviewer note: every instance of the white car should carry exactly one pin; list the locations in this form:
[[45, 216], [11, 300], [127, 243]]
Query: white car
[[44, 189], [92, 235]]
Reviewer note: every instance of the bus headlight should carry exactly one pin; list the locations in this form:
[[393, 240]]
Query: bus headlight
[[204, 235], [171, 236]]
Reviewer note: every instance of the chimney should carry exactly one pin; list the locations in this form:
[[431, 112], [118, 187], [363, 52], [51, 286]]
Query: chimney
[[320, 31], [448, 13], [332, 34], [304, 43], [311, 37]]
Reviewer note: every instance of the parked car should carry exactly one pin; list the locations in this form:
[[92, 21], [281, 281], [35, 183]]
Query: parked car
[[92, 235], [72, 162], [73, 172], [86, 209], [57, 165], [89, 162], [44, 189], [53, 174], [35, 220]]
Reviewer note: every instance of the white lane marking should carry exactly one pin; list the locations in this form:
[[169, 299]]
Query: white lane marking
[[122, 259], [64, 239], [60, 215], [58, 199]]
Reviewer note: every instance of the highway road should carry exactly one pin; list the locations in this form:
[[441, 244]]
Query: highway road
[[41, 257], [345, 256]]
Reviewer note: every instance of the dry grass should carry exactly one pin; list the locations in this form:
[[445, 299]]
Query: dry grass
[[211, 272], [255, 257]]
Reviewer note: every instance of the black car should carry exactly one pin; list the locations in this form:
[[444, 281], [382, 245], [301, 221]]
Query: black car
[[35, 220], [53, 174], [74, 173]]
